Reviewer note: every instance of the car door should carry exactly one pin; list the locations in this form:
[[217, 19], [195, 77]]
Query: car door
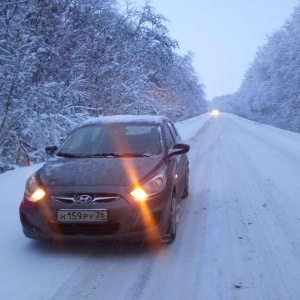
[[183, 159], [181, 162]]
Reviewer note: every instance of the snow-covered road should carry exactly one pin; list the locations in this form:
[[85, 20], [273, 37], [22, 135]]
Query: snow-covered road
[[238, 236]]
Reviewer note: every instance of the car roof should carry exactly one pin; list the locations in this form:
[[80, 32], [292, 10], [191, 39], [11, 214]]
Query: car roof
[[124, 119]]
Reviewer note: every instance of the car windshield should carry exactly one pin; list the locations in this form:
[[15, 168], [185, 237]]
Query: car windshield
[[123, 139]]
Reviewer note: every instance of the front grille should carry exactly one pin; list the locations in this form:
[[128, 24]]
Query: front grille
[[85, 228], [96, 198]]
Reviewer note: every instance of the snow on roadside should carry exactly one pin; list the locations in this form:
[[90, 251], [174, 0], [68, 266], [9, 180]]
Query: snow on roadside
[[189, 128]]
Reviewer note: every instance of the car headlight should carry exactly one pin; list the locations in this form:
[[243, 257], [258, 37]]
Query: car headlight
[[150, 188], [215, 112], [33, 190]]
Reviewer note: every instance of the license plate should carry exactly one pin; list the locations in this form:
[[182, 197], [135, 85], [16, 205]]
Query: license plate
[[82, 215]]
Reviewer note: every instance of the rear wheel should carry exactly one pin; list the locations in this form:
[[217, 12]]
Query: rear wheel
[[170, 235]]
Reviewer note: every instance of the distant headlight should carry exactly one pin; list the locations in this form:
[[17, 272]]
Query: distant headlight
[[33, 190], [150, 188], [215, 112]]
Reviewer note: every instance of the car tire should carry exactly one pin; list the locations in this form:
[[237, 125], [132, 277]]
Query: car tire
[[186, 188], [170, 235]]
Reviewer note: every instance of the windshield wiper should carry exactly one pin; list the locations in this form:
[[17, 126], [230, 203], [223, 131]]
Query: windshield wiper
[[68, 155], [134, 154], [119, 155], [102, 155], [110, 154]]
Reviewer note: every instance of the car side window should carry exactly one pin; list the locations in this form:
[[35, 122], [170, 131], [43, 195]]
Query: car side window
[[173, 131], [169, 138]]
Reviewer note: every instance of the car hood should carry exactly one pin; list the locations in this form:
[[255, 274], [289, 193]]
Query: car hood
[[97, 171]]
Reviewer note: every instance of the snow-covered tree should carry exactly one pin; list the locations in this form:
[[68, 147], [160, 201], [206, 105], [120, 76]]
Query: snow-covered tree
[[270, 92], [64, 61]]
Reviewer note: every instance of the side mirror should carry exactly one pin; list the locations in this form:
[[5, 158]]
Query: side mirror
[[50, 149], [179, 149]]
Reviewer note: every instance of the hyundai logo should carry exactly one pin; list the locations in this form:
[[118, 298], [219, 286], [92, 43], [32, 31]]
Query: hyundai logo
[[83, 198]]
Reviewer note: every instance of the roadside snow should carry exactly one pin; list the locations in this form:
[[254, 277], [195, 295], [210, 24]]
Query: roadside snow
[[238, 237], [191, 127]]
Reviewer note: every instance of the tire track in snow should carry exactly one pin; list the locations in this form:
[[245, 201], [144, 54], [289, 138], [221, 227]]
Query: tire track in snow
[[104, 264], [273, 250], [241, 243]]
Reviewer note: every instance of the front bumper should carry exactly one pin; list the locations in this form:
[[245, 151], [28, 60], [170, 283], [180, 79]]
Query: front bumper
[[127, 219]]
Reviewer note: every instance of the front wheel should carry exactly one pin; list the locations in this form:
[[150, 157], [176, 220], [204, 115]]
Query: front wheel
[[170, 235], [186, 187]]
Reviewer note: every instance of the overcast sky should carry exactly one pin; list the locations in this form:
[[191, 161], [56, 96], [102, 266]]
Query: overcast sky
[[224, 35]]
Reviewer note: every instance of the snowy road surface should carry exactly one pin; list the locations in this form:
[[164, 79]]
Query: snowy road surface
[[238, 236]]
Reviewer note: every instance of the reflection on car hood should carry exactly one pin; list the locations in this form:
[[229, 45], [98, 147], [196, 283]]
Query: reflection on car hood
[[97, 171]]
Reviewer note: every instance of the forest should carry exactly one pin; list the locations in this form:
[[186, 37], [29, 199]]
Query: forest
[[270, 91], [63, 61]]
